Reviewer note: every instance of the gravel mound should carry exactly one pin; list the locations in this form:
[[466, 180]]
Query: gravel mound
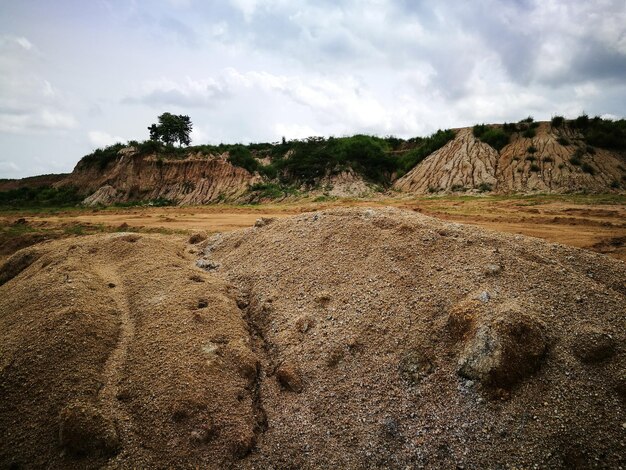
[[417, 343], [352, 338]]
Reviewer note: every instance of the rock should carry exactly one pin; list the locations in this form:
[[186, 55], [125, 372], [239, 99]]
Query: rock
[[415, 366], [492, 269], [484, 296], [504, 351], [290, 377], [85, 431], [201, 435], [263, 221], [207, 265], [592, 345], [197, 237]]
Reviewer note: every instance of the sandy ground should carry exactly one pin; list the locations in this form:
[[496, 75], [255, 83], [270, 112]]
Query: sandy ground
[[351, 338], [568, 220]]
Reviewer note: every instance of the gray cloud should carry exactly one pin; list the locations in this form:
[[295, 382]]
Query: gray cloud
[[82, 75]]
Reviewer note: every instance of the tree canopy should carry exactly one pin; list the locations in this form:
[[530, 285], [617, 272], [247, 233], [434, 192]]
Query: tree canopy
[[171, 128]]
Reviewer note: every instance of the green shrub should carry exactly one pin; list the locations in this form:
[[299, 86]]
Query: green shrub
[[557, 121], [530, 158], [590, 150], [484, 187], [101, 157], [561, 166], [272, 190], [44, 196], [529, 133], [615, 184], [493, 136], [240, 156], [548, 159], [563, 141], [458, 188], [534, 167], [575, 161], [509, 128], [426, 146], [528, 120], [531, 149], [587, 168]]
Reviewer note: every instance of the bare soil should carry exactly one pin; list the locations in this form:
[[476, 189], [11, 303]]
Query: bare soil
[[583, 222], [348, 338]]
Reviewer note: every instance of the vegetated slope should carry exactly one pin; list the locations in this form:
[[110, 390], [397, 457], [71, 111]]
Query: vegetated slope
[[346, 338], [552, 160], [31, 182], [196, 179]]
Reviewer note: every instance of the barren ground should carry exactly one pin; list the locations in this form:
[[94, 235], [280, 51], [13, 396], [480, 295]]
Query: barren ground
[[597, 223]]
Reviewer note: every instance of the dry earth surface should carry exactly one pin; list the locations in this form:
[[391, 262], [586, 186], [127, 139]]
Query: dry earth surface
[[597, 223], [347, 338]]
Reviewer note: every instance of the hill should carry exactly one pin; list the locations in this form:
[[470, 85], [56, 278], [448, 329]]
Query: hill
[[581, 155], [424, 344], [549, 159]]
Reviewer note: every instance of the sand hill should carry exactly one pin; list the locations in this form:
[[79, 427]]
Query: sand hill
[[537, 164], [354, 338]]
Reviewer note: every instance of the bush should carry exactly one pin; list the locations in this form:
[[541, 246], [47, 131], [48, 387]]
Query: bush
[[528, 120], [575, 161], [535, 168], [530, 158], [581, 122], [531, 149], [587, 168], [557, 121], [427, 146], [509, 128], [563, 141], [240, 156], [529, 133], [484, 187], [44, 196], [590, 150], [548, 159], [493, 136], [615, 184], [101, 157]]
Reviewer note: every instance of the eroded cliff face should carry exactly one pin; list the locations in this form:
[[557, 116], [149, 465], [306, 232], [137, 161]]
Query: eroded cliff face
[[538, 164], [198, 179], [464, 162]]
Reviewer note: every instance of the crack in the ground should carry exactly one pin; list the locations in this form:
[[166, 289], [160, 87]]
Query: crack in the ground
[[260, 347]]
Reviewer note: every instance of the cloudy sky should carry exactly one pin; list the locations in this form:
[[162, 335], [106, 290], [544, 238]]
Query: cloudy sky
[[76, 75]]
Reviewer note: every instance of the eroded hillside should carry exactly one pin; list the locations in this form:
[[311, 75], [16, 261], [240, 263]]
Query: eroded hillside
[[552, 160], [352, 338]]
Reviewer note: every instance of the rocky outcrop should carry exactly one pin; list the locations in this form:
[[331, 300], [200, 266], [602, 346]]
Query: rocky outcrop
[[197, 179], [463, 163], [555, 160]]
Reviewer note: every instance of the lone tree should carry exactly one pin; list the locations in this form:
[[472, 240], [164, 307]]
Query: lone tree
[[171, 128]]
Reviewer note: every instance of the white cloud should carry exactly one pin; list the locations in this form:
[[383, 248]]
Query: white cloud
[[103, 139], [188, 93], [36, 121]]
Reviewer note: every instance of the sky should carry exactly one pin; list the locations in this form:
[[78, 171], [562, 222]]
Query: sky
[[76, 75]]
